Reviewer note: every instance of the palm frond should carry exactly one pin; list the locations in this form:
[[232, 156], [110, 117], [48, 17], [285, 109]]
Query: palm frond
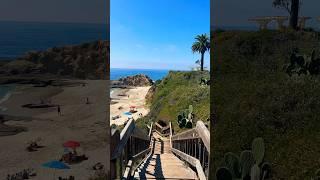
[[202, 44]]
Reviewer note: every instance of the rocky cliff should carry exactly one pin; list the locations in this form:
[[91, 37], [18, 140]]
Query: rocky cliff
[[85, 61]]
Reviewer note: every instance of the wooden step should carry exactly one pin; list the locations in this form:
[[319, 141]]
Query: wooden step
[[162, 164]]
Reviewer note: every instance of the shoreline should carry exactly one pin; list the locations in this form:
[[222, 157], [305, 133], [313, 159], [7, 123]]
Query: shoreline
[[5, 97]]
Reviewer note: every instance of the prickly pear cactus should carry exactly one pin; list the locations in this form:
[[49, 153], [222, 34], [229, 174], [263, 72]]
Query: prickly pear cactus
[[316, 175], [246, 163], [190, 109], [258, 150], [189, 124], [185, 113], [303, 64], [255, 172], [223, 174], [265, 170], [314, 65], [232, 162], [183, 122], [180, 117], [250, 165], [190, 116]]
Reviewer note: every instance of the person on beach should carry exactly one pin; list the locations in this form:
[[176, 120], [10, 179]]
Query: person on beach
[[59, 110]]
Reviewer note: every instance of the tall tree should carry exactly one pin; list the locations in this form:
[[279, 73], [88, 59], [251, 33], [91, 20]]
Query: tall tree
[[201, 45], [292, 7]]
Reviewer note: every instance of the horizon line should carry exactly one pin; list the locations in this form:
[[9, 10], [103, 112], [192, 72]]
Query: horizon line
[[55, 22], [148, 69]]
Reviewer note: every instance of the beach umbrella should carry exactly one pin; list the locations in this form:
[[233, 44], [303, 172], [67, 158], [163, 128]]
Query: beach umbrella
[[55, 165], [71, 144]]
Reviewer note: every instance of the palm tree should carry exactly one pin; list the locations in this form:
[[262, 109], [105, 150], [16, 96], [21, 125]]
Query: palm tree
[[292, 7], [201, 45]]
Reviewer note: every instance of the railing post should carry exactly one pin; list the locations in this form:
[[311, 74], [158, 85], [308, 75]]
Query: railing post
[[114, 141]]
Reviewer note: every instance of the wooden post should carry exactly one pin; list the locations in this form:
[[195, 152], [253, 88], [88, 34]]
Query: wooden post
[[114, 141]]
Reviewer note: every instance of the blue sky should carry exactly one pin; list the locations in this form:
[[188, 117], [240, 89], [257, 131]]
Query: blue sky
[[151, 34], [236, 13], [73, 11]]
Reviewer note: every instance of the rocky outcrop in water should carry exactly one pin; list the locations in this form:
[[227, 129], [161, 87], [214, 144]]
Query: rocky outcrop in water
[[85, 61], [137, 80]]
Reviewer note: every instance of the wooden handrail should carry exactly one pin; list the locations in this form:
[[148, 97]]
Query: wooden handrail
[[161, 130], [204, 134], [127, 172], [150, 130], [170, 125], [128, 141], [124, 136], [191, 133], [199, 131], [191, 160]]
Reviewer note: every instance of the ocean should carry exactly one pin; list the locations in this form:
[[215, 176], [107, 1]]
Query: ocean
[[154, 74], [17, 38]]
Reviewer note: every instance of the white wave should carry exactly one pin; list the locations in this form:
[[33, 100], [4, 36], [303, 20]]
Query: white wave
[[5, 97]]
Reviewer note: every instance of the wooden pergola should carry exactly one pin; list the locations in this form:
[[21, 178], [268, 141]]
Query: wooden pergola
[[302, 22], [263, 21]]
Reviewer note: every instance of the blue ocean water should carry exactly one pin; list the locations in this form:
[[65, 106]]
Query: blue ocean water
[[17, 38], [154, 74]]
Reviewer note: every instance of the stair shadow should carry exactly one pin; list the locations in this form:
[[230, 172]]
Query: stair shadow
[[162, 145], [143, 170], [157, 167]]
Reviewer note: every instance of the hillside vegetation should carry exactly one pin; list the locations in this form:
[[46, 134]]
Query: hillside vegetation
[[253, 96], [175, 93]]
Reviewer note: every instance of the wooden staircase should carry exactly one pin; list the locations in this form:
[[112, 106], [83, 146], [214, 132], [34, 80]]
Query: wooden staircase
[[162, 163]]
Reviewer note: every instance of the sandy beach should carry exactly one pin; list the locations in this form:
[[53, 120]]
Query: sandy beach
[[82, 122], [123, 99]]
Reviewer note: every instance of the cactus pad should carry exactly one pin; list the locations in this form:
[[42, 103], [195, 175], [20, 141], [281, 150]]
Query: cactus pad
[[255, 172], [190, 109], [265, 170], [223, 174], [189, 124], [258, 150], [246, 163], [232, 162]]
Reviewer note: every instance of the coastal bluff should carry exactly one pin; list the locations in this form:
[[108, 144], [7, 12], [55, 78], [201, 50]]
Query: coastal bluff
[[84, 61]]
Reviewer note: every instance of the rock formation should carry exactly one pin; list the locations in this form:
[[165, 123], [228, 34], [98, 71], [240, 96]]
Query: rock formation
[[85, 61], [137, 80]]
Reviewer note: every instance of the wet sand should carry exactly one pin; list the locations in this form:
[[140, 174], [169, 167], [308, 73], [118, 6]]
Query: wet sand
[[81, 122]]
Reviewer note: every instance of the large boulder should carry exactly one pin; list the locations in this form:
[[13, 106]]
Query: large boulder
[[137, 80]]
